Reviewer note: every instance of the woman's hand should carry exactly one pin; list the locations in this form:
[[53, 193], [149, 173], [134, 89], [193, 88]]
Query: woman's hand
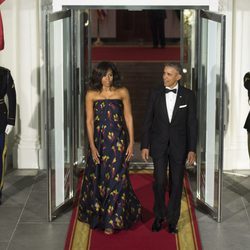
[[95, 155], [129, 152]]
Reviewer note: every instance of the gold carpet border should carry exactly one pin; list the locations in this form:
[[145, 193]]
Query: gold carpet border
[[191, 218], [81, 236], [184, 239], [82, 232], [186, 235]]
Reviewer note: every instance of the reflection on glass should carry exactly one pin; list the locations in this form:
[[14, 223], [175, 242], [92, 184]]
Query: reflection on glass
[[60, 106], [209, 113], [189, 17], [67, 74]]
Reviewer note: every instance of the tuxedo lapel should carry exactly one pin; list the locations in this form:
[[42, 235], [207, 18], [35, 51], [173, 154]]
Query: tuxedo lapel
[[164, 105]]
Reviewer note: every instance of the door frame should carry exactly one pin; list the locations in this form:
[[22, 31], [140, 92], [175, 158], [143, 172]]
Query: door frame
[[219, 18], [198, 8], [52, 213]]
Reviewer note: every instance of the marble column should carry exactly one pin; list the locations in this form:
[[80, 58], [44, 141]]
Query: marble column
[[237, 64], [27, 85]]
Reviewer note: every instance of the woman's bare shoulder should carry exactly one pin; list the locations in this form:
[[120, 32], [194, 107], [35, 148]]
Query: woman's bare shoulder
[[91, 94], [123, 92]]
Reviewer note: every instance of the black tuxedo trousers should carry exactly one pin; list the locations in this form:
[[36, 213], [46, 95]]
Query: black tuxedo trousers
[[174, 184]]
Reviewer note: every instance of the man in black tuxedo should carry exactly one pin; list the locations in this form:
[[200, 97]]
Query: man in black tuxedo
[[169, 136], [7, 116]]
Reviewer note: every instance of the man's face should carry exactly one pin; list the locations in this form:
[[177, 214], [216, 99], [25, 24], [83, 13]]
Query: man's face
[[170, 77]]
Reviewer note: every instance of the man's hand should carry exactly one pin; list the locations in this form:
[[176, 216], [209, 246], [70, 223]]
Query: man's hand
[[145, 154], [191, 158]]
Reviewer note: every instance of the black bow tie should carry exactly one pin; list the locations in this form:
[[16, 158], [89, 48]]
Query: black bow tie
[[170, 90]]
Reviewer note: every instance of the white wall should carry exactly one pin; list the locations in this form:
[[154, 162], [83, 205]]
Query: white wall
[[59, 3], [237, 64]]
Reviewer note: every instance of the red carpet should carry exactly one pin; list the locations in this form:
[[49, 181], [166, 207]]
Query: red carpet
[[108, 53], [73, 219], [139, 237]]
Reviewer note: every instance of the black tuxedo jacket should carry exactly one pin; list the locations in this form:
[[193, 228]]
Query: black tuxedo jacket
[[7, 87], [179, 136]]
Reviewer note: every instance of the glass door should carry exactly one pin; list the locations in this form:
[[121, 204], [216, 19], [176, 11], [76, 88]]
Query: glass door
[[60, 107], [82, 65], [68, 59], [210, 99]]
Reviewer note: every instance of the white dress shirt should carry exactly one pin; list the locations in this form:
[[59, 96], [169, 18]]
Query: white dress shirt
[[170, 101]]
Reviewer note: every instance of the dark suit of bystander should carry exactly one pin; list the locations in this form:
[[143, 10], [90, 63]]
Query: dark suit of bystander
[[7, 116], [157, 24]]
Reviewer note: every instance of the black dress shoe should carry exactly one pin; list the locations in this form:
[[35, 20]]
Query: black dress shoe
[[157, 225], [172, 229]]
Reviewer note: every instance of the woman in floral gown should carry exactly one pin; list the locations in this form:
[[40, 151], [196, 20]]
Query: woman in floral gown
[[108, 201]]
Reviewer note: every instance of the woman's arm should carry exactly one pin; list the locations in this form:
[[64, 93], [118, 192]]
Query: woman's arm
[[90, 125], [129, 121]]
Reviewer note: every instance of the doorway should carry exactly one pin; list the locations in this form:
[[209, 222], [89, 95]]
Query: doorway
[[73, 28]]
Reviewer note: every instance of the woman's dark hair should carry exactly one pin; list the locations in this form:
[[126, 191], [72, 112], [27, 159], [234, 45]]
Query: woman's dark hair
[[246, 80], [100, 71]]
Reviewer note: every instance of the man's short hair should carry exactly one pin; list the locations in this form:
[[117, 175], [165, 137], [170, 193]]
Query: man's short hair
[[175, 65]]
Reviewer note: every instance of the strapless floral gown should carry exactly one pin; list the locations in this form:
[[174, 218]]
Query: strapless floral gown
[[107, 197]]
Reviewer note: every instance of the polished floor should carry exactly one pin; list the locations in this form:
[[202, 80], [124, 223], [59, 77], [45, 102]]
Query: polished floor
[[24, 224]]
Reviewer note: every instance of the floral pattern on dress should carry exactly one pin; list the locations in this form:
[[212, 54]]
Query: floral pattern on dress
[[107, 198]]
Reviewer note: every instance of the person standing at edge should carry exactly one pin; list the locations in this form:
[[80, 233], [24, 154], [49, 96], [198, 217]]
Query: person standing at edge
[[169, 135], [7, 117], [157, 25], [247, 122]]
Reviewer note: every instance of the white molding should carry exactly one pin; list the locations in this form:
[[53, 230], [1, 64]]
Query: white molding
[[58, 4]]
